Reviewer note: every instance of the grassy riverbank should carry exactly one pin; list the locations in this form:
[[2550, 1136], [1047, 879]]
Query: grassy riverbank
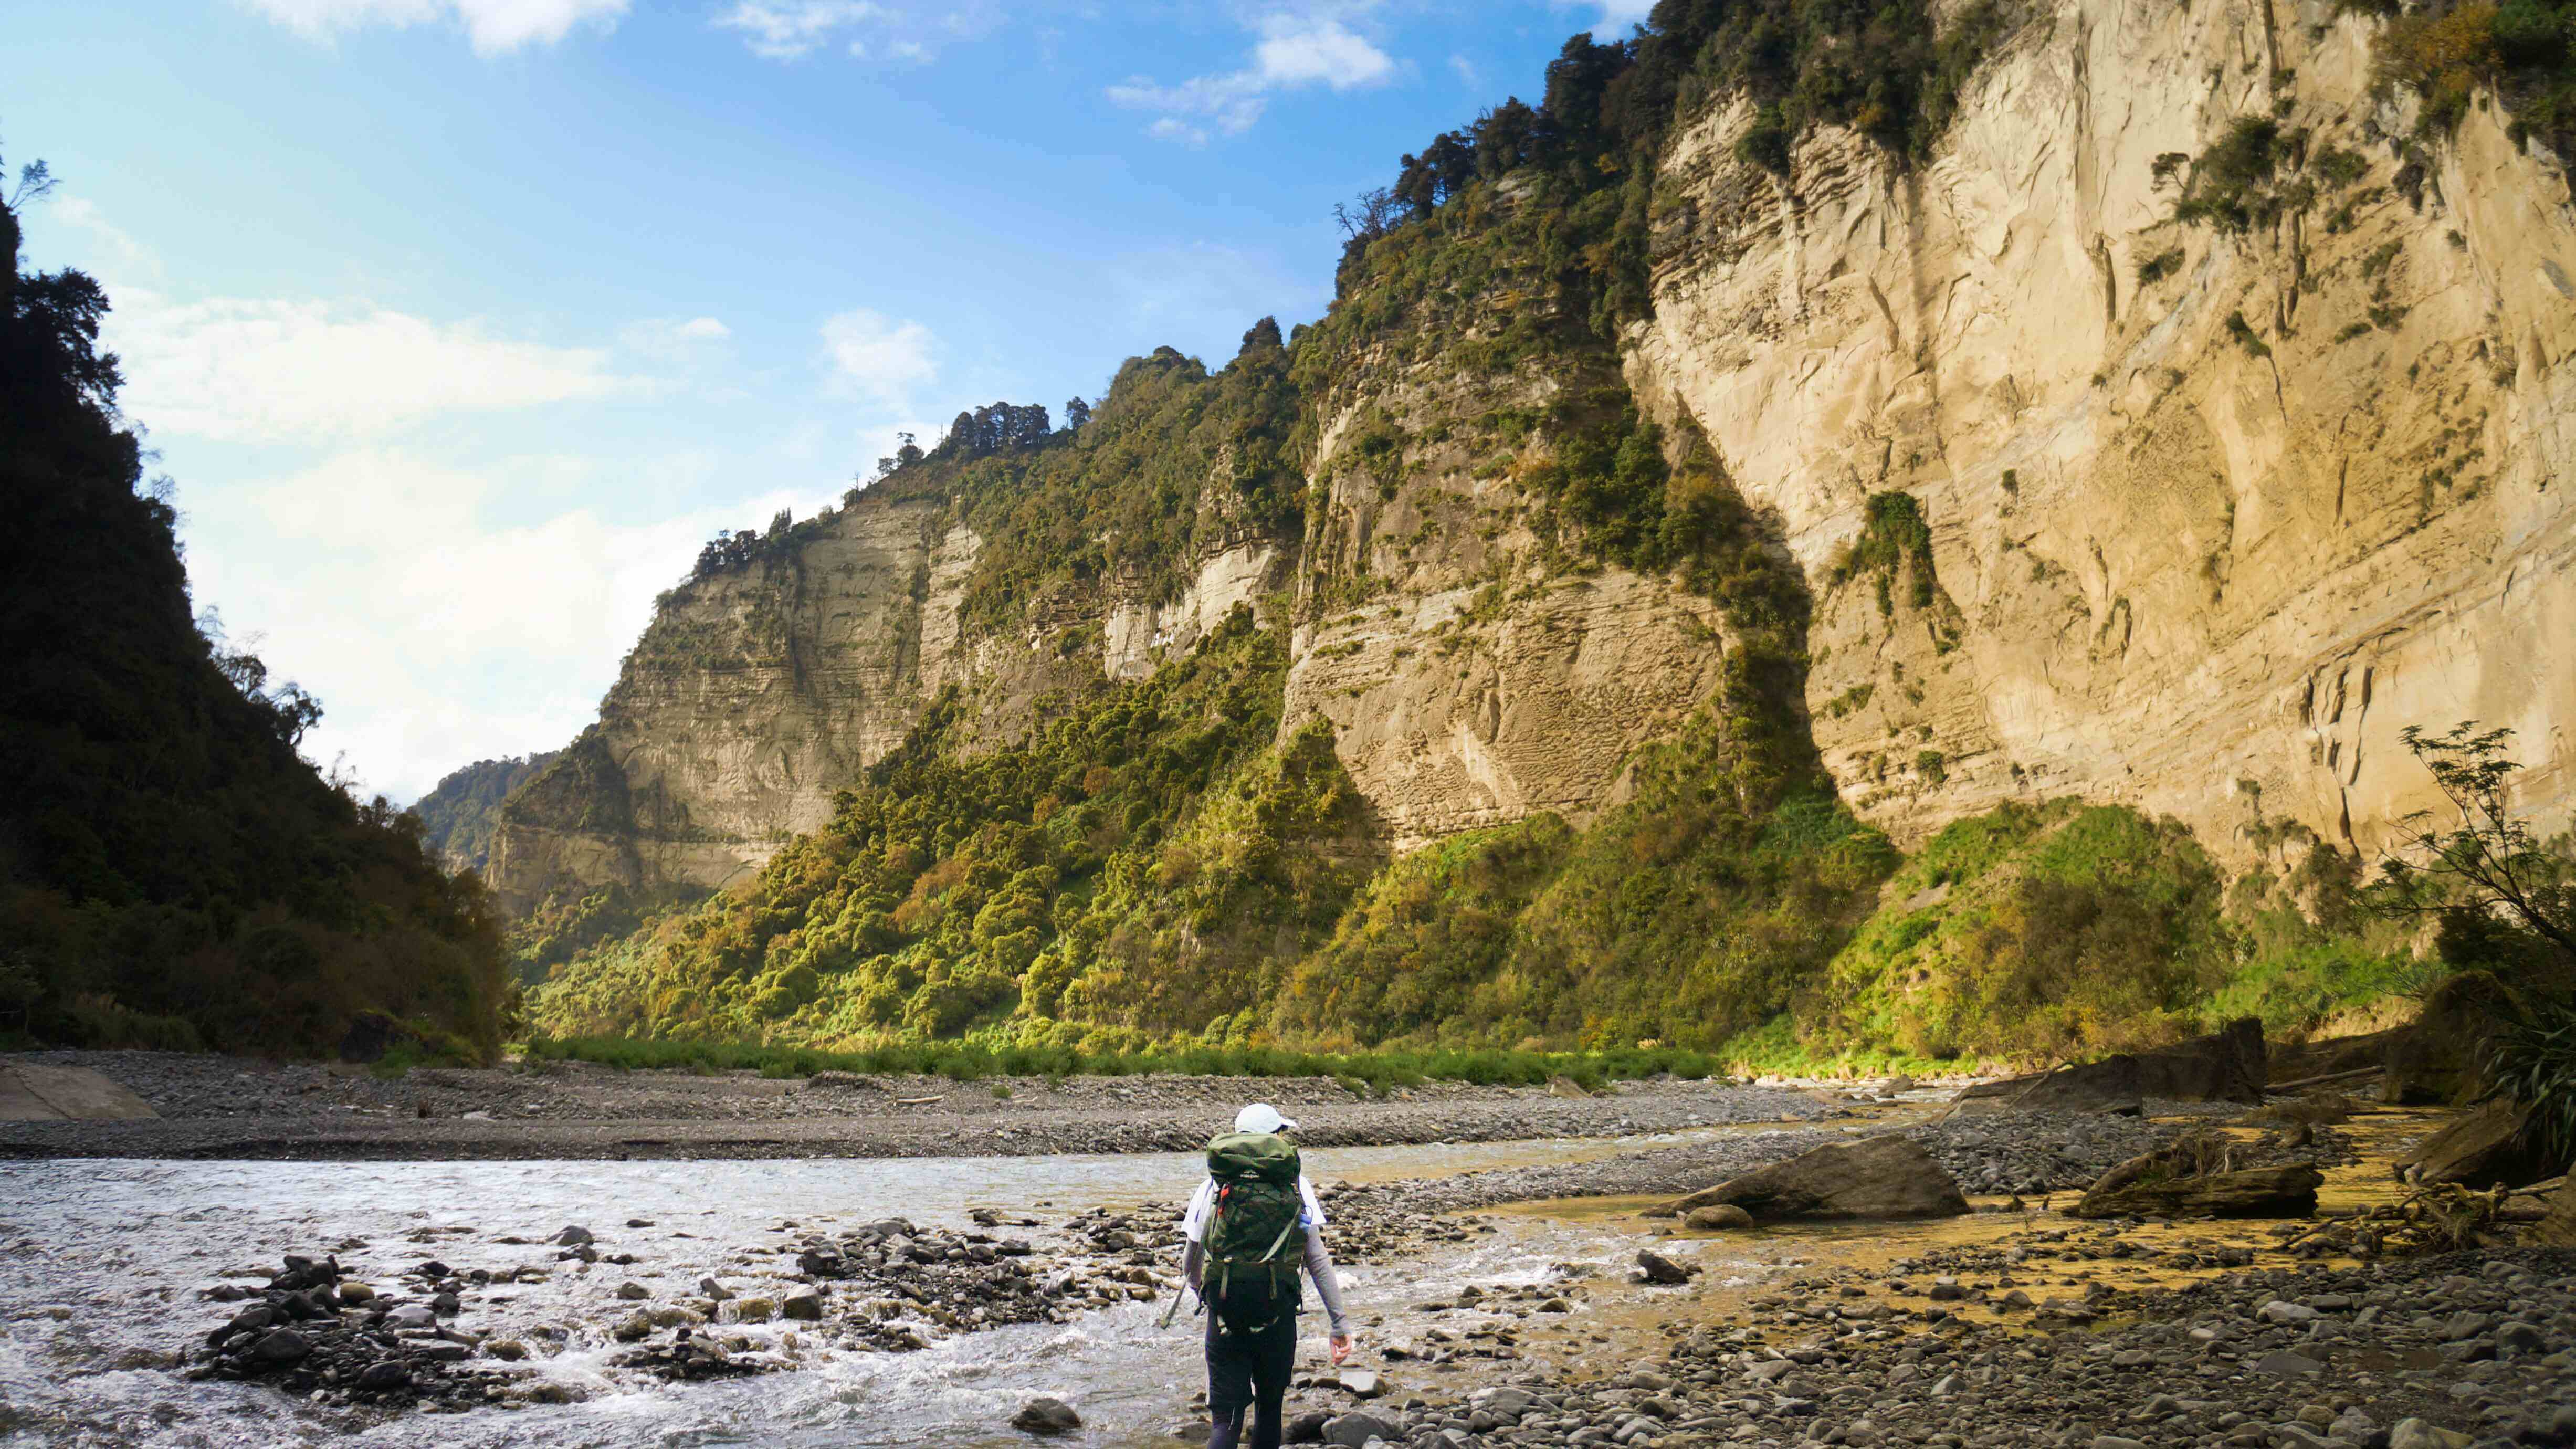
[[1375, 1071]]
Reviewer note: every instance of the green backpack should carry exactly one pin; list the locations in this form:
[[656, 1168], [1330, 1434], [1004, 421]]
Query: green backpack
[[1255, 1239]]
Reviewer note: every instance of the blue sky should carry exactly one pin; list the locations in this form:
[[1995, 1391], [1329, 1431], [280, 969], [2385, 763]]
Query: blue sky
[[460, 324]]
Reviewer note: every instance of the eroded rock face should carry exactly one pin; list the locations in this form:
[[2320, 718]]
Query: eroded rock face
[[1472, 675], [2212, 516], [2204, 566], [2225, 1066], [757, 692]]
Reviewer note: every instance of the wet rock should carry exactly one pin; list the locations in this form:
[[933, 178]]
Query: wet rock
[[804, 1306], [714, 1291], [412, 1315], [387, 1374], [1306, 1427], [633, 1292], [573, 1237], [1876, 1177], [1660, 1269], [1361, 1383], [1717, 1217], [357, 1294], [634, 1329], [1046, 1416], [280, 1346], [2285, 1363]]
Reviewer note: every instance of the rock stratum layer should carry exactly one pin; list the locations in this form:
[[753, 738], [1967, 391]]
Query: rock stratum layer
[[2213, 513]]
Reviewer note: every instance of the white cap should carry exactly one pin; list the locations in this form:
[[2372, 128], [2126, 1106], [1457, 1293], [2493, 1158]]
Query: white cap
[[1262, 1117]]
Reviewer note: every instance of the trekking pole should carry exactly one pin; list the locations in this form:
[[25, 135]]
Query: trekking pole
[[1170, 1308]]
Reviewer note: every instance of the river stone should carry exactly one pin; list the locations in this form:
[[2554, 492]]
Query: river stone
[[2285, 1363], [1044, 1416], [1660, 1269], [387, 1374], [412, 1315], [354, 1293], [714, 1291], [806, 1306], [280, 1345], [1875, 1177], [1506, 1402], [1717, 1217], [573, 1237], [1356, 1428], [2226, 1066], [633, 1292], [1301, 1428], [2416, 1434]]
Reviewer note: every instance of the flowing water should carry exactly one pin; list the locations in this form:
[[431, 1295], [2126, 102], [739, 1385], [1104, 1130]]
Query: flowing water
[[105, 1260], [104, 1263]]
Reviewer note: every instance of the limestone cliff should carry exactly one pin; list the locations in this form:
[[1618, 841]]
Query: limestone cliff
[[2213, 514], [2215, 507]]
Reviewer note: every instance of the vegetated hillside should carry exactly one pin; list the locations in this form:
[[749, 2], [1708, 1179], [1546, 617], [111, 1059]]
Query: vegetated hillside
[[1803, 437], [171, 872], [458, 813]]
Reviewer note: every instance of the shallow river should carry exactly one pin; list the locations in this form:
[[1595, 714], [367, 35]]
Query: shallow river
[[104, 1262]]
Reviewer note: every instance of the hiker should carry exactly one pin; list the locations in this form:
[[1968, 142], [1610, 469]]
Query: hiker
[[1250, 1227]]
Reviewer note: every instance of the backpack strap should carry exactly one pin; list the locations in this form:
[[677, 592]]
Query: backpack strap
[[1289, 1227]]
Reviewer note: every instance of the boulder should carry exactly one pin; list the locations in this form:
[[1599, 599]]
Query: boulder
[[1660, 1269], [1354, 1429], [2558, 1230], [803, 1306], [1046, 1416], [1564, 1086], [2441, 1059], [1875, 1177], [2302, 1061], [2487, 1148], [2227, 1066], [2190, 1178], [1717, 1217], [1361, 1383]]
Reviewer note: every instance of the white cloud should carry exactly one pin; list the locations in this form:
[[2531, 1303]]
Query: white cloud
[[670, 339], [794, 29], [124, 257], [871, 354], [1295, 52], [494, 26], [1466, 70], [449, 637], [245, 370]]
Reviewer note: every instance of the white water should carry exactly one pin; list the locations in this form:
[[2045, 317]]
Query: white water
[[105, 1260]]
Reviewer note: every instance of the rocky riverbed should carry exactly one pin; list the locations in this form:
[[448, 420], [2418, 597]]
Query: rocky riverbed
[[224, 1107], [2433, 1353]]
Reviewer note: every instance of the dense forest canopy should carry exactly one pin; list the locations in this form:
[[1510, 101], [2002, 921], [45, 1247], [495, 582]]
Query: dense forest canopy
[[172, 873]]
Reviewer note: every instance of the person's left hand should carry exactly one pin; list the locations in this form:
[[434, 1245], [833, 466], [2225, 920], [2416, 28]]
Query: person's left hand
[[1340, 1344]]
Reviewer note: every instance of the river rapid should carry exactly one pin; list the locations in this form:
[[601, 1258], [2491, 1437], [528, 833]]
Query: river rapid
[[106, 1261]]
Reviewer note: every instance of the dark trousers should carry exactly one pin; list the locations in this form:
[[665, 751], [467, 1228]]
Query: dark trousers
[[1249, 1371]]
